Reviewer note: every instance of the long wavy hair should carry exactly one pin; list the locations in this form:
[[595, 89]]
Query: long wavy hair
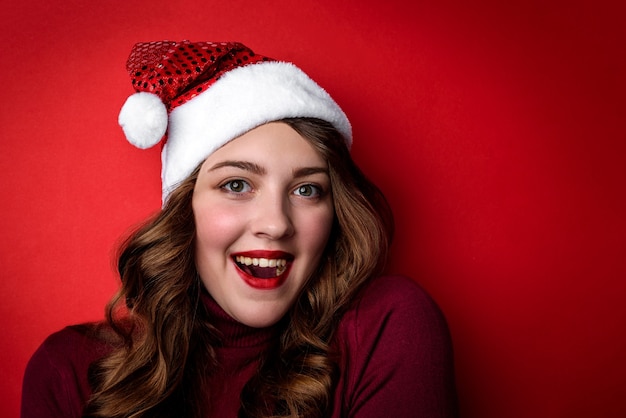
[[162, 335]]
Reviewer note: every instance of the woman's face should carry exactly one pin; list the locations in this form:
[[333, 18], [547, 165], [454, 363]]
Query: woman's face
[[263, 210]]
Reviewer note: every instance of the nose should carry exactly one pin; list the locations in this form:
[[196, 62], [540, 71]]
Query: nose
[[272, 217]]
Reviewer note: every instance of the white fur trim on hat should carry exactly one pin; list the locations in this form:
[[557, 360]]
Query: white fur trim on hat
[[242, 99], [143, 119]]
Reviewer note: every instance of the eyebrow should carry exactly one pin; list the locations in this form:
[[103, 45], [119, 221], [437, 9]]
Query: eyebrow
[[257, 169], [243, 165], [308, 171]]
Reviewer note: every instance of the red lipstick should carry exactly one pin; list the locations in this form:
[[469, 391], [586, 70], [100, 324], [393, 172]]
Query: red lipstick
[[265, 254], [263, 269]]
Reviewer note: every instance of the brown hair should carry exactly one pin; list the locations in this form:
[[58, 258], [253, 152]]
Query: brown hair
[[163, 334]]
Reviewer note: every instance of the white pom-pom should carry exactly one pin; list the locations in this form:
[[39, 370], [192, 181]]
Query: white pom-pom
[[143, 119]]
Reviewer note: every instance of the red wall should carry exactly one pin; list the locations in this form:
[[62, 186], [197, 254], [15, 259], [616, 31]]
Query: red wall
[[496, 128]]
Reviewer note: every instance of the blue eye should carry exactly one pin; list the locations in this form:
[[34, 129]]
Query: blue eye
[[308, 190], [236, 186]]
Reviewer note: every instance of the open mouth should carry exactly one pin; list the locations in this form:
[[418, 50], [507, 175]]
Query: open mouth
[[261, 268]]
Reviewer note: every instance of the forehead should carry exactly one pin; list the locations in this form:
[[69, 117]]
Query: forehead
[[270, 144]]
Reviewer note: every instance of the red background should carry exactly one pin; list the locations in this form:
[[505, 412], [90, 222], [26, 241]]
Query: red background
[[497, 129]]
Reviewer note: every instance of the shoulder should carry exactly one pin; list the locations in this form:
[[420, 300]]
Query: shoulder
[[396, 353], [56, 377], [396, 289], [397, 302], [72, 347], [76, 337]]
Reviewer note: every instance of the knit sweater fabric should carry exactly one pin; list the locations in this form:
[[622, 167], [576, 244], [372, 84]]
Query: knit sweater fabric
[[395, 360]]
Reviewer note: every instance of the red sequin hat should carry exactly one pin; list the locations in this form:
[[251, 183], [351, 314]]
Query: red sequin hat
[[201, 95]]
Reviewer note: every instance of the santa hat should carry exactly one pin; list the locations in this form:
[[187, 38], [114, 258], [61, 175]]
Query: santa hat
[[201, 95]]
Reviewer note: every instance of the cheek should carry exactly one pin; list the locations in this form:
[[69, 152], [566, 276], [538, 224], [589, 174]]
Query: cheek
[[316, 229], [217, 226]]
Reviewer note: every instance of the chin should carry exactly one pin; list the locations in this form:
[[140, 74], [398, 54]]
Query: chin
[[261, 318], [260, 322]]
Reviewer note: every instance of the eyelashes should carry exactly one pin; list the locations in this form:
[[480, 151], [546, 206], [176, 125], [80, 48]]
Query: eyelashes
[[237, 186], [242, 187], [309, 190]]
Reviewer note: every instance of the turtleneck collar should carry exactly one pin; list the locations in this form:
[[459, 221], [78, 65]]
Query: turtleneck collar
[[234, 333]]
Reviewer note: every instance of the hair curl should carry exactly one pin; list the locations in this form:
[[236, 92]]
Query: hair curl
[[163, 336]]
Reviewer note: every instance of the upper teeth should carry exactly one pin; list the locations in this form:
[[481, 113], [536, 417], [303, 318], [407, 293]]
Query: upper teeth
[[261, 262]]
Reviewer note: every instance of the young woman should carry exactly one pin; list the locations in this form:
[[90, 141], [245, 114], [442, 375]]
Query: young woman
[[257, 290]]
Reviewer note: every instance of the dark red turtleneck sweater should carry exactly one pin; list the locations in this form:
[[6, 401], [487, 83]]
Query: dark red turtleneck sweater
[[396, 360]]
